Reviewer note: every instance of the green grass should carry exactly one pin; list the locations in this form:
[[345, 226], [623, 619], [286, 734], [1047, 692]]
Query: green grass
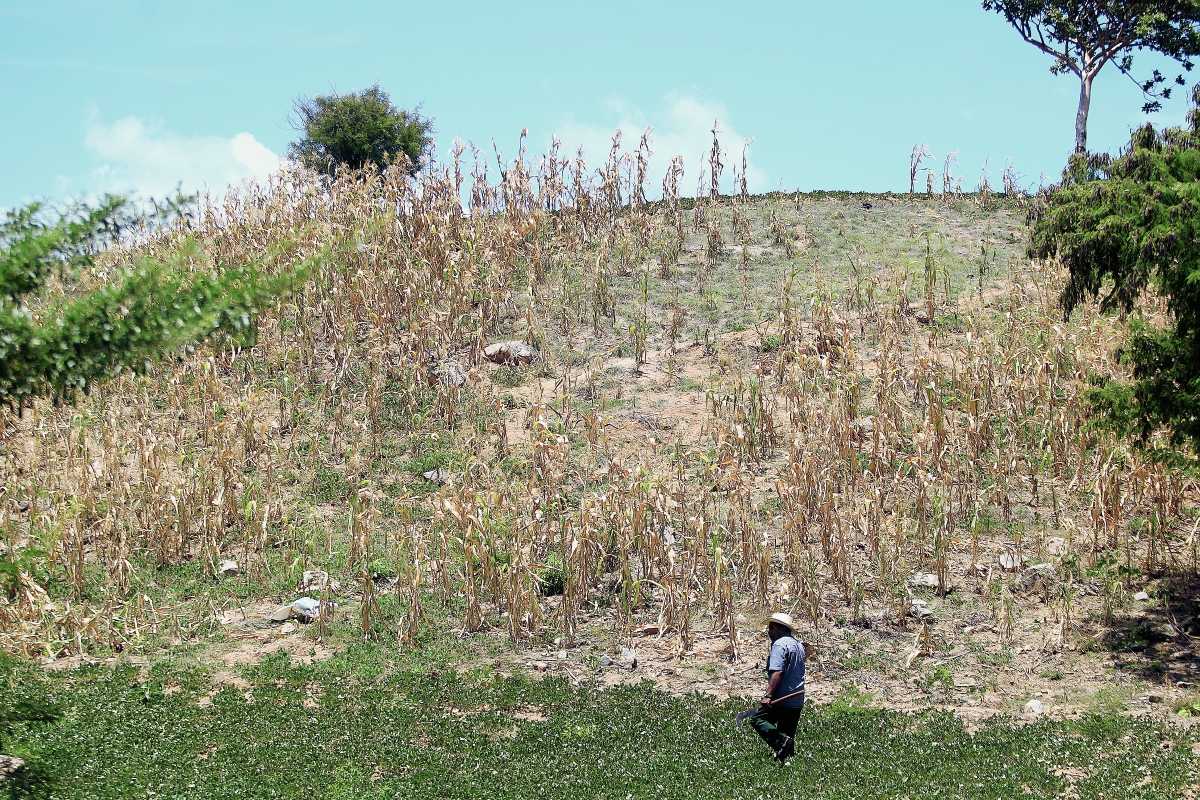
[[329, 486], [411, 730], [510, 377]]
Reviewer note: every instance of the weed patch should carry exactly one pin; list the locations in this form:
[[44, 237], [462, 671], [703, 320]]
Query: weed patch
[[350, 728]]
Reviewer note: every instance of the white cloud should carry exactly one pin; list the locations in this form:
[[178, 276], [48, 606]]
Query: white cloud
[[150, 161], [682, 128]]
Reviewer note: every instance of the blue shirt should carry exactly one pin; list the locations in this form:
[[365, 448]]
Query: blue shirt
[[788, 656]]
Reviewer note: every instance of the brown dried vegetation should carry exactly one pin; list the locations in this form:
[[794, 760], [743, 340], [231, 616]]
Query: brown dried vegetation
[[902, 421]]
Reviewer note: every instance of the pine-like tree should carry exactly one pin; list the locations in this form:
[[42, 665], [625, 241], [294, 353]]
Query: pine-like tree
[[1123, 226]]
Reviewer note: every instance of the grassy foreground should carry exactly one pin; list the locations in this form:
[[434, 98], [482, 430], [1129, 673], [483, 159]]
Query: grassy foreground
[[358, 726]]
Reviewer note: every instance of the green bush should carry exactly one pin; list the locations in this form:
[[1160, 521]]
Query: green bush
[[771, 342], [330, 486], [551, 578], [1125, 227], [510, 377], [356, 129], [144, 312]]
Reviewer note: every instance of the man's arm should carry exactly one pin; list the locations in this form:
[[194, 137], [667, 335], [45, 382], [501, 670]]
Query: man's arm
[[772, 687]]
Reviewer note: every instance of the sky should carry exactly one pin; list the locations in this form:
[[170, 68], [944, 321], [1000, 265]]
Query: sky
[[140, 97]]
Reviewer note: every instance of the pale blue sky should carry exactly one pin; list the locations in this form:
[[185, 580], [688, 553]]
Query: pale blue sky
[[137, 95]]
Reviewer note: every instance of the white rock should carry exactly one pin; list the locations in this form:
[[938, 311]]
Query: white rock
[[514, 352], [438, 476], [1010, 561], [920, 611], [863, 426], [306, 607], [287, 628], [1035, 707], [923, 579], [317, 580], [450, 373], [229, 567], [1141, 597], [1056, 546], [1038, 572]]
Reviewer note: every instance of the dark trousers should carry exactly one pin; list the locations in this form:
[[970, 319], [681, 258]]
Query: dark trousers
[[776, 726]]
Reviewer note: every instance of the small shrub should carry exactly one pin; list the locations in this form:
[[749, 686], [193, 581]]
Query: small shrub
[[329, 486], [510, 378], [851, 698], [382, 568], [770, 343], [940, 677], [551, 577]]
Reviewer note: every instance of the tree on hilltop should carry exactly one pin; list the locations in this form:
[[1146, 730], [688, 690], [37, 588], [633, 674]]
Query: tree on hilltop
[[1084, 35], [1123, 227], [356, 129]]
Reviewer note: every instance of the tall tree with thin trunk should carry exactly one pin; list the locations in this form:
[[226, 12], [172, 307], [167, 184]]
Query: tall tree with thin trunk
[[1084, 35]]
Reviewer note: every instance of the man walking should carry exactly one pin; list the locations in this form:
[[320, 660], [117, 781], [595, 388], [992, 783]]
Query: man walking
[[776, 718]]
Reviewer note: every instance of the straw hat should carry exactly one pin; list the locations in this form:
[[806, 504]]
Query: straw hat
[[785, 620]]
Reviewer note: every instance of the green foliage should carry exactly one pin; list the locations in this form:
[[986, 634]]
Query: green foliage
[[356, 129], [510, 377], [22, 706], [62, 343], [14, 562], [437, 458], [1135, 639], [1122, 226], [330, 486], [25, 704], [771, 342], [551, 578], [432, 733]]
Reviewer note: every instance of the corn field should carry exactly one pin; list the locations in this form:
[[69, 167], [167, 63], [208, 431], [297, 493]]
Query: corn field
[[886, 420]]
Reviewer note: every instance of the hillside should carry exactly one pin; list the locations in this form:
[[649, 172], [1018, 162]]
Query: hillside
[[862, 409]]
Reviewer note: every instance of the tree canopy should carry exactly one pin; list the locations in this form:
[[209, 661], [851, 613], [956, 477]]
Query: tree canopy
[[1123, 227], [63, 342], [356, 129], [1084, 35]]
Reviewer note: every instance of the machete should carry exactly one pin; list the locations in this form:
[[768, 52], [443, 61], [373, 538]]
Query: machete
[[749, 712]]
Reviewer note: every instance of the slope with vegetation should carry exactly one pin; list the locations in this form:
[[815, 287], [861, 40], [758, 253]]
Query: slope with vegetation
[[867, 410]]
